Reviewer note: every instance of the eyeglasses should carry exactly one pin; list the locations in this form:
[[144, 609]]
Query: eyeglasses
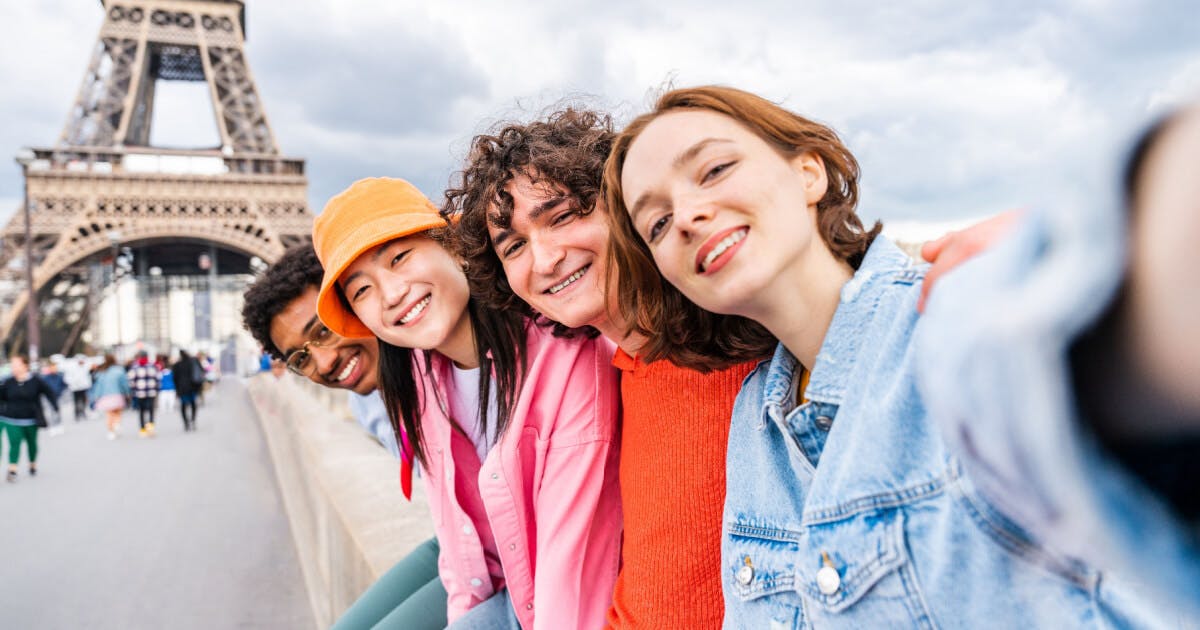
[[300, 361]]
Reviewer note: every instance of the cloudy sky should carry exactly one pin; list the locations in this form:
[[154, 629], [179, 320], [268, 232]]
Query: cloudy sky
[[955, 109]]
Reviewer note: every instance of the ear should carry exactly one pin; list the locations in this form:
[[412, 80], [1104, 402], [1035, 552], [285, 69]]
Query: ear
[[811, 168]]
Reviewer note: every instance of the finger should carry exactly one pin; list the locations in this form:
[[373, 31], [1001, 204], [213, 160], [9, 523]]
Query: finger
[[932, 249]]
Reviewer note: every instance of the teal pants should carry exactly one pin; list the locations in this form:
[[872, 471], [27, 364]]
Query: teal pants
[[410, 595], [16, 435]]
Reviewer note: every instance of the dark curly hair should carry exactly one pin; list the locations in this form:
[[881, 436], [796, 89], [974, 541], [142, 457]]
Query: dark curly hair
[[569, 148], [291, 275]]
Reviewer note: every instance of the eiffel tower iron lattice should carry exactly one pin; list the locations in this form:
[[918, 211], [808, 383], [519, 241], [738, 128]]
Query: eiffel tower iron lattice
[[103, 178]]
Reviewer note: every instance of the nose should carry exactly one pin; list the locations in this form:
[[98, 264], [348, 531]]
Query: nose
[[691, 216], [547, 254], [324, 358], [394, 290]]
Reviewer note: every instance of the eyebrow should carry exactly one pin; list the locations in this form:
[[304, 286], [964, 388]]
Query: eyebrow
[[379, 249], [307, 327], [538, 210], [685, 156]]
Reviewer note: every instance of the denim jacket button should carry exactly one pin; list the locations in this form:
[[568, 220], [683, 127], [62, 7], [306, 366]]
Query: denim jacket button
[[824, 423], [745, 575], [828, 580]]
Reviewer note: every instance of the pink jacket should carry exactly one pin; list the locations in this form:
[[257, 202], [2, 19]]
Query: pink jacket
[[545, 503]]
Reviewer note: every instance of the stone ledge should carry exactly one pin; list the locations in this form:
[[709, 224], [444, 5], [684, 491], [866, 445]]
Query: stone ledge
[[341, 490]]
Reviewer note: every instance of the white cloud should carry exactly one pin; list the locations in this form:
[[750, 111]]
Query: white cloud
[[954, 109]]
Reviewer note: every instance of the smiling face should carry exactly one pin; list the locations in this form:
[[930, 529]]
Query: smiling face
[[345, 363], [410, 292], [724, 213], [554, 255]]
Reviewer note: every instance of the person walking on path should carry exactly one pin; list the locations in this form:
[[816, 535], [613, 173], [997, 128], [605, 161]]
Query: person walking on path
[[189, 378], [144, 382], [166, 394], [52, 377], [110, 393], [78, 378], [21, 412]]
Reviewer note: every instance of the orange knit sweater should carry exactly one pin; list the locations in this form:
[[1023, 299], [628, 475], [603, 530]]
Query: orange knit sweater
[[674, 430]]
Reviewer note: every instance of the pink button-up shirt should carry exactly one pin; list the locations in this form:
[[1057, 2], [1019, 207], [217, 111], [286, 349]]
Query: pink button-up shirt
[[542, 513]]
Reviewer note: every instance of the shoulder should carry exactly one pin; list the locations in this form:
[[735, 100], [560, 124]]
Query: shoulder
[[541, 346]]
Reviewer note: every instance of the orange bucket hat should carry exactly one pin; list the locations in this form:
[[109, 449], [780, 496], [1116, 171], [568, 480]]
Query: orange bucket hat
[[370, 212]]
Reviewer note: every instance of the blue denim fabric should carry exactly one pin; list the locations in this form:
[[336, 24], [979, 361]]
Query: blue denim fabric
[[849, 511], [993, 352]]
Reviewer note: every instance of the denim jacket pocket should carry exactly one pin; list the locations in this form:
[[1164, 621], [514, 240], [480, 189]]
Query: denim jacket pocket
[[856, 571], [760, 576]]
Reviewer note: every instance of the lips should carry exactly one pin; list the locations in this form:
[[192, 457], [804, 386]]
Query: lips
[[719, 249], [348, 372], [568, 281], [414, 311]]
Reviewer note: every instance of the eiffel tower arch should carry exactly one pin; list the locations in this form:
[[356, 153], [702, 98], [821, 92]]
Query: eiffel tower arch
[[103, 187]]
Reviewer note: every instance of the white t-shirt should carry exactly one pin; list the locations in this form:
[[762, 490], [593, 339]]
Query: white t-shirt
[[464, 408]]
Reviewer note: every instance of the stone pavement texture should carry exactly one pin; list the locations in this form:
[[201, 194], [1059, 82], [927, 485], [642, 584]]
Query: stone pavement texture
[[184, 530]]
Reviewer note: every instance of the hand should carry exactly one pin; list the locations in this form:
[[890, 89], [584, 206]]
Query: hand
[[954, 248]]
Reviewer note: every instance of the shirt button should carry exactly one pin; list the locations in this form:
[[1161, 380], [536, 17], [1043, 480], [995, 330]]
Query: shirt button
[[512, 547], [466, 529], [824, 423], [828, 580], [495, 476], [529, 606], [745, 575], [476, 582]]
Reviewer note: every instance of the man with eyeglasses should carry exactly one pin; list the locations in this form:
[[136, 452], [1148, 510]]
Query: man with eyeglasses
[[280, 311]]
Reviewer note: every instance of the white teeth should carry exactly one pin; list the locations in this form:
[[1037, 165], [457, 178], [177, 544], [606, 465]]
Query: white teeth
[[346, 371], [572, 278], [726, 243], [416, 310]]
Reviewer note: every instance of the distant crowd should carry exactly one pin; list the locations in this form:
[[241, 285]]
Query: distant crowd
[[32, 395]]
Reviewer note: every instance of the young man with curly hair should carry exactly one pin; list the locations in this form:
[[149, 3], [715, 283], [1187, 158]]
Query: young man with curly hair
[[280, 311], [535, 239]]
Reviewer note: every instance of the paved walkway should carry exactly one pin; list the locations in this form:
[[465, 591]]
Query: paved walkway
[[185, 530]]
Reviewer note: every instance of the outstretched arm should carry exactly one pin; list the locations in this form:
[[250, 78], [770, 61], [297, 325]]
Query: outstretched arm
[[957, 247]]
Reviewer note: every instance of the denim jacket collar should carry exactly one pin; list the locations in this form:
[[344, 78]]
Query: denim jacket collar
[[883, 262]]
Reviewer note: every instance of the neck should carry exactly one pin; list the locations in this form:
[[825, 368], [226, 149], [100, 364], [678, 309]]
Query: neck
[[800, 304], [460, 346], [613, 327]]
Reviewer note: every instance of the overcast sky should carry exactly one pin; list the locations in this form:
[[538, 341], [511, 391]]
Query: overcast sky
[[955, 109]]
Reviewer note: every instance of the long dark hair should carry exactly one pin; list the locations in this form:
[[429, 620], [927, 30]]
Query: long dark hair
[[500, 348]]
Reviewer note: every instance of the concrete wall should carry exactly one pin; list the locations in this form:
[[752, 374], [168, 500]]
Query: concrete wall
[[341, 490]]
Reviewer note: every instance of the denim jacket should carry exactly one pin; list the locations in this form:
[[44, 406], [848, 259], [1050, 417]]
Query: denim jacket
[[1029, 454], [849, 511]]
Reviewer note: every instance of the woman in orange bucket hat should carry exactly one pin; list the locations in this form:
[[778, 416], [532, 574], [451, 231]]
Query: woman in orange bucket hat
[[515, 429]]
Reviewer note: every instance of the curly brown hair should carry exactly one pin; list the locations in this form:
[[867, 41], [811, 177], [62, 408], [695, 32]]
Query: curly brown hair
[[657, 310], [567, 149]]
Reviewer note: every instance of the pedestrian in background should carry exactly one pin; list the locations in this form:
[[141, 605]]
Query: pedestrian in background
[[51, 376], [143, 379], [110, 393], [21, 412], [189, 378], [166, 394], [78, 379]]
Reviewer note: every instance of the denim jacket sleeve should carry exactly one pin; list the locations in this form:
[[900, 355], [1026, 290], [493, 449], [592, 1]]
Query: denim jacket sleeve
[[994, 371]]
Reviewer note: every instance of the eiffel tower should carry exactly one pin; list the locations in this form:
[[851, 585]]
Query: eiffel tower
[[103, 187]]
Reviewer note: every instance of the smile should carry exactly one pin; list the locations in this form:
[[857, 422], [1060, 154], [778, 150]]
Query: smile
[[348, 370], [720, 247], [417, 309], [569, 281]]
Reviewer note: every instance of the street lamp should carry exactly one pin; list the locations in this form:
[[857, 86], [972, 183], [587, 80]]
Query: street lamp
[[114, 237], [33, 329]]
